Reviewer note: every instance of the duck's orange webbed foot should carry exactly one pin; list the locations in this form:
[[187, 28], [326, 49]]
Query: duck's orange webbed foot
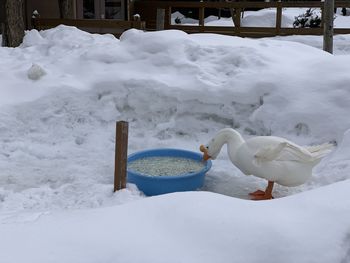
[[263, 195], [257, 193]]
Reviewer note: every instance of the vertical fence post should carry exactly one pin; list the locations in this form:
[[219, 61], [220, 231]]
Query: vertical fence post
[[130, 9], [327, 18], [169, 17], [3, 33], [278, 17], [160, 19], [121, 152], [201, 16], [237, 20]]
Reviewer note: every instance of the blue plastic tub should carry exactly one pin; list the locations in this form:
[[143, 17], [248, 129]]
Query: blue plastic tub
[[156, 185]]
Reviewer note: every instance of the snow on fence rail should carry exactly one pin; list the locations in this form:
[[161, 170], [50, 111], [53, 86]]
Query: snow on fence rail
[[148, 12]]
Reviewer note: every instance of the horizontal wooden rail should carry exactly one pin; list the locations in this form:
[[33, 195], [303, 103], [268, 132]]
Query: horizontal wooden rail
[[341, 30], [255, 31], [44, 23], [166, 4]]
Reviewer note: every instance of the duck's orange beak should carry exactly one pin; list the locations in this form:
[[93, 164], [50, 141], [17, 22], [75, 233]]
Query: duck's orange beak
[[204, 150]]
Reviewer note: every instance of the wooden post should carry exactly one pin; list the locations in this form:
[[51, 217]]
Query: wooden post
[[327, 18], [278, 17], [129, 15], [169, 17], [237, 20], [160, 19], [3, 43], [121, 152], [2, 23], [201, 16]]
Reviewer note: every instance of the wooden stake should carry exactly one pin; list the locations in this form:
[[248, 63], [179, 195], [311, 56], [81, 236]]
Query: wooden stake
[[327, 18], [121, 153]]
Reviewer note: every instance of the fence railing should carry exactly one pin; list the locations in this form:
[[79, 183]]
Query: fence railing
[[92, 25], [149, 10]]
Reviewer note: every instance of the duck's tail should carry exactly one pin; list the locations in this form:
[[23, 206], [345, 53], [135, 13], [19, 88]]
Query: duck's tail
[[320, 151]]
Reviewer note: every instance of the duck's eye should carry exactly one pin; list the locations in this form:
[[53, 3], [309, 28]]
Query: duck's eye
[[207, 147]]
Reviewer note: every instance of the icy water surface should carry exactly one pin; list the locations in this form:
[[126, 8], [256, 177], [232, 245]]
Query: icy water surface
[[165, 166]]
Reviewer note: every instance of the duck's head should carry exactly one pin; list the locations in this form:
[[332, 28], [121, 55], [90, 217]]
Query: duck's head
[[210, 151], [226, 135]]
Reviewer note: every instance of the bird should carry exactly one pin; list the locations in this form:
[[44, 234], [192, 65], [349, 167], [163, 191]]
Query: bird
[[275, 159]]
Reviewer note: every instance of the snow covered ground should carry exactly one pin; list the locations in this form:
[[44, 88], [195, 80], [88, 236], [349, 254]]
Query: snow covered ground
[[62, 91], [311, 227]]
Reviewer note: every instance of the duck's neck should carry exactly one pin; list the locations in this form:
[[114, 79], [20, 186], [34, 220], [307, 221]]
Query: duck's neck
[[233, 139]]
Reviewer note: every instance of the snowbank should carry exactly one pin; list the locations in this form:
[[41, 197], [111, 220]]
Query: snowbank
[[175, 89], [188, 227]]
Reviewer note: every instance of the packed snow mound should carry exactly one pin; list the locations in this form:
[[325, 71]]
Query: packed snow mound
[[207, 69], [259, 18], [176, 90], [264, 18], [188, 227], [36, 72]]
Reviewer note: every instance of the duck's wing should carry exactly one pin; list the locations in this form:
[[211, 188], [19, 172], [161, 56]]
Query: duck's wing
[[283, 151]]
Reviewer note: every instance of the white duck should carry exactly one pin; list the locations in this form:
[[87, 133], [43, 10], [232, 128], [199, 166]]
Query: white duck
[[273, 158]]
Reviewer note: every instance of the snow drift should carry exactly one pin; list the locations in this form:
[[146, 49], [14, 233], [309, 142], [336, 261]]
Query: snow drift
[[311, 227], [175, 89]]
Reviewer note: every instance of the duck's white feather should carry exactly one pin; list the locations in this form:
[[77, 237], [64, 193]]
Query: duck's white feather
[[269, 153], [320, 150]]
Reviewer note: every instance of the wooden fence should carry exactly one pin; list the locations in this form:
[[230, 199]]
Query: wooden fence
[[150, 10], [92, 25]]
